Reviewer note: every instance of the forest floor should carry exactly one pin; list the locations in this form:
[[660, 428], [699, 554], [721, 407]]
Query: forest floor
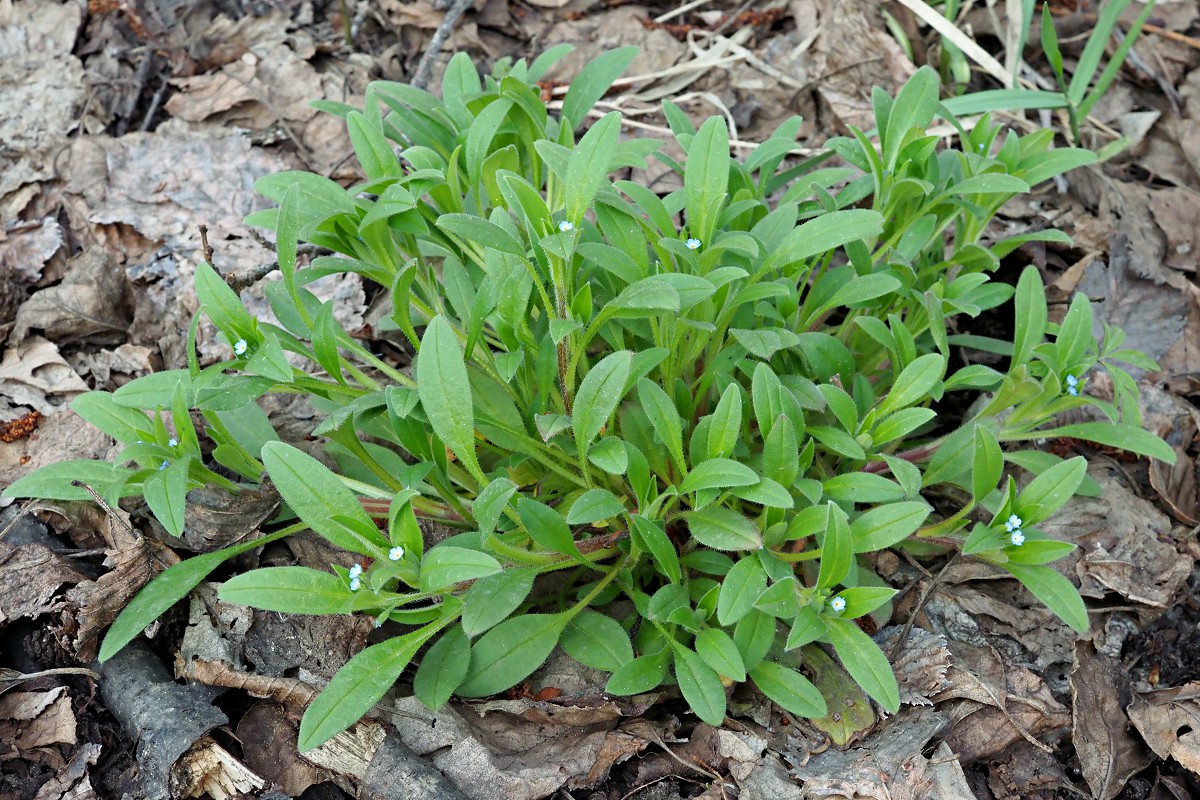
[[126, 125]]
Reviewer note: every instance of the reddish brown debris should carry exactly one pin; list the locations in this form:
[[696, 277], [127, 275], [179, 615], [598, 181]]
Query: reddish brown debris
[[19, 428]]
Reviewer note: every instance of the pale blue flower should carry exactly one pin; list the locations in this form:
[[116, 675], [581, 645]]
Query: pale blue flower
[[566, 226], [693, 244], [838, 604], [239, 347], [163, 465], [1017, 538], [356, 571], [355, 583], [396, 553], [172, 442], [1013, 523]]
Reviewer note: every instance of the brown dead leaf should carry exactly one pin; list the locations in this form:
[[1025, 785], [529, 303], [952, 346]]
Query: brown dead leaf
[[1153, 315], [34, 375], [24, 251], [274, 755], [1166, 719], [1125, 543], [268, 84], [1027, 773], [1178, 422], [217, 518], [92, 303], [853, 53], [887, 765], [1108, 755], [59, 437], [30, 720], [73, 782], [1003, 703], [30, 577], [132, 561], [920, 665]]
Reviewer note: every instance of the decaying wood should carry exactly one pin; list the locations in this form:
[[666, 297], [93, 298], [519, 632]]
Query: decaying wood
[[166, 719]]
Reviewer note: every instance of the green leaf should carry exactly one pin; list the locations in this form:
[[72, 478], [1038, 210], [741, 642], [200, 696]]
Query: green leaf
[[222, 304], [701, 686], [167, 589], [1047, 493], [317, 496], [663, 416], [289, 590], [593, 506], [861, 600], [442, 669], [599, 393], [1031, 316], [166, 494], [481, 232], [740, 589], [1055, 591], [445, 391], [1126, 437], [357, 687], [587, 170], [270, 361], [648, 536], [53, 482], [489, 504], [988, 465], [547, 527], [887, 525], [863, 487], [726, 425], [445, 565], [510, 652], [788, 689], [723, 529], [646, 295], [865, 662], [716, 648], [754, 636], [640, 675], [706, 177], [609, 455], [126, 425], [592, 82], [597, 641], [823, 234], [155, 390], [718, 473], [808, 626], [837, 549], [900, 424], [492, 598], [914, 383]]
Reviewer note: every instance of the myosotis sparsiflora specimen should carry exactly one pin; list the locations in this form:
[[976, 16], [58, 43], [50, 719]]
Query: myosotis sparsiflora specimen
[[711, 405]]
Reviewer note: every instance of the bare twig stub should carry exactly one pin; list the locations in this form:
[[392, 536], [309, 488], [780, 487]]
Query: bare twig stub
[[425, 65]]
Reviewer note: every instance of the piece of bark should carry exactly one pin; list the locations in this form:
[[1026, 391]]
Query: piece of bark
[[397, 773], [166, 719]]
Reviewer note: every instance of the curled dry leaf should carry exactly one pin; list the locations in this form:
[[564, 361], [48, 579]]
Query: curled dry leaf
[[1166, 719], [1108, 754]]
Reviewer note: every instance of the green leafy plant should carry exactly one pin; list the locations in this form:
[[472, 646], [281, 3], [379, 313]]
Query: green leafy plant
[[712, 405]]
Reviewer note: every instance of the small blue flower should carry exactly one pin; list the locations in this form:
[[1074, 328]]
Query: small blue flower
[[693, 244], [239, 347], [838, 604], [172, 442], [1072, 380], [163, 465], [356, 571], [981, 146], [1071, 390], [1017, 538], [566, 226], [1013, 523], [379, 622], [396, 553], [1073, 384], [355, 583]]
